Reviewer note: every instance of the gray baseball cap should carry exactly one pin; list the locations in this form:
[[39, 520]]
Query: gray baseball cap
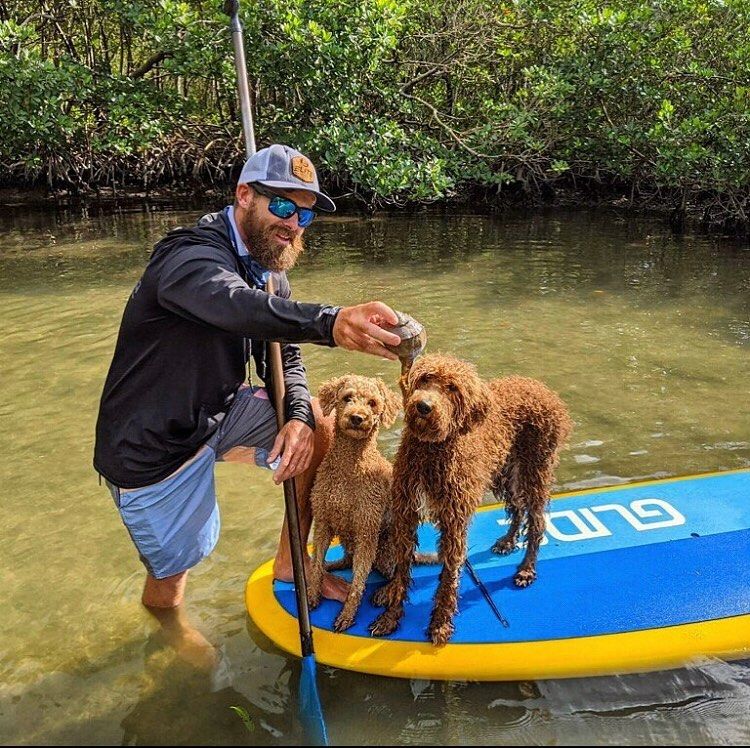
[[281, 167]]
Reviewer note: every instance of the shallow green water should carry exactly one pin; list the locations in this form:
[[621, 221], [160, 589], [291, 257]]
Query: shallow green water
[[646, 337]]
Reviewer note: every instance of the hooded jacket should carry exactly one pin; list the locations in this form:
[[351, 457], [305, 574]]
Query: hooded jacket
[[185, 339]]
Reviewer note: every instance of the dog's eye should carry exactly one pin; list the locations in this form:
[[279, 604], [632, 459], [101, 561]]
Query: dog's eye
[[348, 398], [373, 404], [427, 377], [453, 387]]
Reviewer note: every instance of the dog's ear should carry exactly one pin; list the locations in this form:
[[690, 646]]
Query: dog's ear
[[392, 404], [475, 403], [407, 383], [328, 394]]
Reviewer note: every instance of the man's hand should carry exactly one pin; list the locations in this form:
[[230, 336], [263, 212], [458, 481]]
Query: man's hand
[[359, 328], [295, 445]]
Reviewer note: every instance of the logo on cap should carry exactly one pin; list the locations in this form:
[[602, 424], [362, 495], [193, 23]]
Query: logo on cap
[[303, 169]]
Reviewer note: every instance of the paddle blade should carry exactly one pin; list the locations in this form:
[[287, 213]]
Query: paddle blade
[[311, 713]]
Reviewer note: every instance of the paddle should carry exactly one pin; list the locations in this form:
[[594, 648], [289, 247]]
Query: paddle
[[311, 713]]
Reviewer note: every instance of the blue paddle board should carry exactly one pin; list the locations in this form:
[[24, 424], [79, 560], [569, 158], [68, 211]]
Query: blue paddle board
[[632, 578]]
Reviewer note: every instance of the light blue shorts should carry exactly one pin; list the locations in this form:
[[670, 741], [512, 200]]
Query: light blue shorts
[[175, 523]]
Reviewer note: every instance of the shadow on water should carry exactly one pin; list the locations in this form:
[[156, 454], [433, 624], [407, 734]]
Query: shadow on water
[[200, 706]]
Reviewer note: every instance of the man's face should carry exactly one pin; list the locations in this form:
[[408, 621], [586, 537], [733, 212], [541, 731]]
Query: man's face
[[274, 242]]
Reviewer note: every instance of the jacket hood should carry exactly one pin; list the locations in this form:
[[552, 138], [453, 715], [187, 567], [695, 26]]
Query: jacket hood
[[212, 229]]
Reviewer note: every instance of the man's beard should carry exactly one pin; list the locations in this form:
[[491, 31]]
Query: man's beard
[[264, 248]]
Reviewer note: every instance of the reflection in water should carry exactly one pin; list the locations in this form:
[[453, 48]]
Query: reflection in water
[[645, 337], [700, 705], [177, 702]]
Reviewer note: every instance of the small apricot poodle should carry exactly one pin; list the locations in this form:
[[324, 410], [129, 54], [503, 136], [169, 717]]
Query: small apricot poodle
[[351, 496], [463, 436]]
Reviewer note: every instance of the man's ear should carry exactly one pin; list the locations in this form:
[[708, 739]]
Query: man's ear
[[243, 195]]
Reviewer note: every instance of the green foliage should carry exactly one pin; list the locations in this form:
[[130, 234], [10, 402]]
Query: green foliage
[[383, 161], [398, 100]]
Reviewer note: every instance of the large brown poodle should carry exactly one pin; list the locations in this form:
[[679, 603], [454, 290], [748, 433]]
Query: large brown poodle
[[351, 496], [463, 436]]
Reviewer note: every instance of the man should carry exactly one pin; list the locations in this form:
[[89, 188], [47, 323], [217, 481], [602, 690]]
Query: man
[[175, 400]]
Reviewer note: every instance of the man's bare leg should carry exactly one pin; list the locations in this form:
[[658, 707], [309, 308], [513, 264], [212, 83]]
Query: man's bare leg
[[163, 598], [334, 587]]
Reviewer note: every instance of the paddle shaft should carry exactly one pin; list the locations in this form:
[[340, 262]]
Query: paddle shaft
[[290, 499]]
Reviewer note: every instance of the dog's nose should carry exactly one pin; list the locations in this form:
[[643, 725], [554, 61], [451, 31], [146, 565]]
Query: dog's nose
[[424, 407], [355, 420]]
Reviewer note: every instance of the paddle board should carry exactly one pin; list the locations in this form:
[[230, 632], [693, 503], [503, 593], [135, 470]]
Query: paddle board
[[631, 578]]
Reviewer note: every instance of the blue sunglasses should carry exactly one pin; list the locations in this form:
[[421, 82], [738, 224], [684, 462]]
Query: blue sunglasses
[[283, 207]]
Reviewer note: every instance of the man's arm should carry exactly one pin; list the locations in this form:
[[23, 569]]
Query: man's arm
[[199, 283], [202, 284]]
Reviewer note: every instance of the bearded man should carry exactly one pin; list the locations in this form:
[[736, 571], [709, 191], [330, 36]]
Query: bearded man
[[179, 397]]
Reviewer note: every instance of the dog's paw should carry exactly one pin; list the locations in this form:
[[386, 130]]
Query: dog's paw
[[386, 623], [524, 577], [343, 622], [380, 597], [387, 596], [441, 633], [504, 547]]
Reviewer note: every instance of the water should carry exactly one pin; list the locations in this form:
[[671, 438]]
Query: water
[[645, 336]]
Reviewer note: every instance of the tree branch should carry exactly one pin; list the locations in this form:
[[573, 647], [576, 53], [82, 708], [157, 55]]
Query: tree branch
[[453, 134], [438, 67], [152, 61]]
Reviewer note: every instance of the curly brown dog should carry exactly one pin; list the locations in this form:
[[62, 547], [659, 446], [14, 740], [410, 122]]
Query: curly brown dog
[[463, 436], [351, 496]]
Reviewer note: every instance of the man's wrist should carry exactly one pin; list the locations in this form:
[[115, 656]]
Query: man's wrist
[[307, 417], [330, 314]]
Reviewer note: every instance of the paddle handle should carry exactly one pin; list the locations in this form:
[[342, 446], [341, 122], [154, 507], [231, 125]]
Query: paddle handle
[[296, 542]]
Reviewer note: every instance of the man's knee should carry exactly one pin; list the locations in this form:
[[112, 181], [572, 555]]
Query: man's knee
[[242, 454]]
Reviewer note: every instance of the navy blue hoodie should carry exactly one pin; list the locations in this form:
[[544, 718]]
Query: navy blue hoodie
[[183, 348]]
